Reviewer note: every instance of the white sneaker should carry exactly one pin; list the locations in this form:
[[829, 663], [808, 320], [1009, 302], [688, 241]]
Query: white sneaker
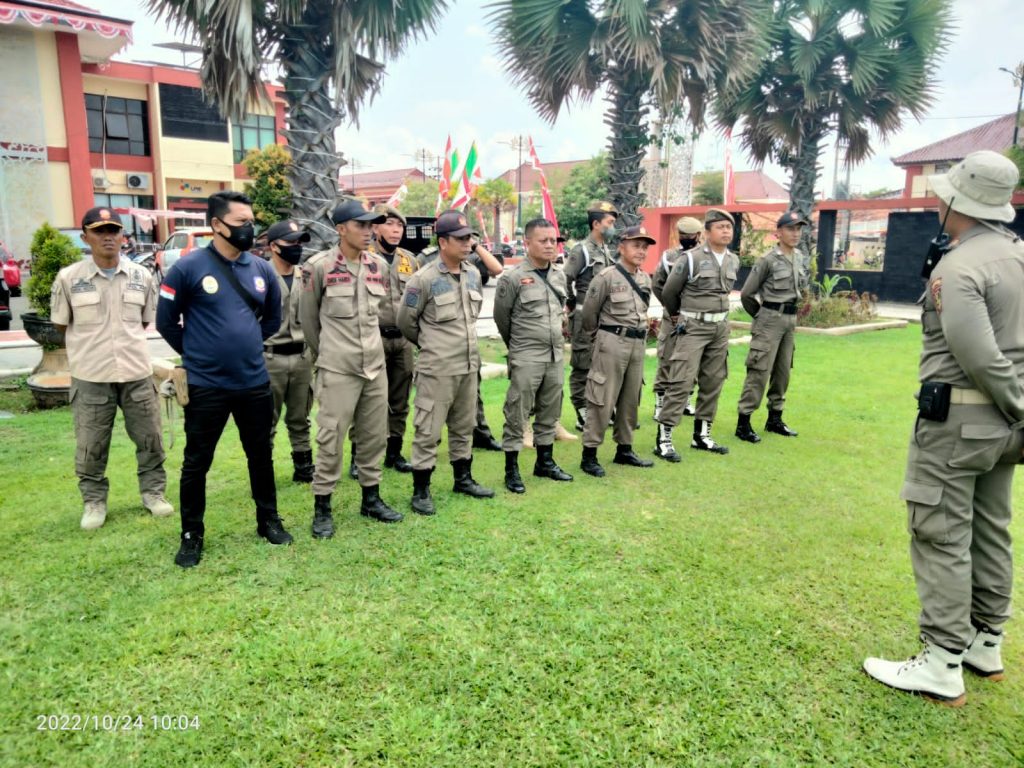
[[157, 504], [983, 656], [935, 673], [94, 516]]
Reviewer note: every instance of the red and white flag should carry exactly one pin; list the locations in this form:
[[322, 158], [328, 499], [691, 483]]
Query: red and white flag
[[547, 207], [444, 186], [728, 179]]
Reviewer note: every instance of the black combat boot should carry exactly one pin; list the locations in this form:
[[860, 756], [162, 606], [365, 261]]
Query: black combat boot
[[776, 425], [663, 448], [270, 526], [744, 431], [482, 438], [190, 551], [589, 463], [545, 465], [624, 455], [302, 461], [422, 502], [373, 506], [702, 438], [393, 458], [513, 480], [323, 523], [464, 482], [352, 471]]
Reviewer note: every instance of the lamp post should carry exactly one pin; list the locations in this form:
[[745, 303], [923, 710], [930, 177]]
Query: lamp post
[[1018, 80]]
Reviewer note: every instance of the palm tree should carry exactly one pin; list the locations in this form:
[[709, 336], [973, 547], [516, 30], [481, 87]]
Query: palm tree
[[842, 66], [497, 195], [646, 53], [331, 54]]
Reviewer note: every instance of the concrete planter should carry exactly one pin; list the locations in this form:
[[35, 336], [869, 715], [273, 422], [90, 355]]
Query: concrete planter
[[50, 380], [842, 330]]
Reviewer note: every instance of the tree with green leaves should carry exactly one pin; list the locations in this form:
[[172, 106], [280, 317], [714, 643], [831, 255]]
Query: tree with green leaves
[[709, 188], [331, 54], [420, 199], [269, 190], [843, 67], [1017, 155], [645, 54], [497, 196], [587, 181]]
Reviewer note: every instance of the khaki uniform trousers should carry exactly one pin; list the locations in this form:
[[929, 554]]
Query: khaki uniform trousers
[[770, 359], [614, 382], [398, 363], [533, 386], [348, 400], [443, 400], [958, 492], [582, 351], [700, 355], [666, 345], [94, 405], [291, 386]]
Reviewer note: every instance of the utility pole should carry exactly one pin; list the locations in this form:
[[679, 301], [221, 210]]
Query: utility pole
[[519, 143], [424, 156], [1018, 80]]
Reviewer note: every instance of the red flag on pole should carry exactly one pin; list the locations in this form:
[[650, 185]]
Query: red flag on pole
[[444, 186], [547, 207], [729, 180]]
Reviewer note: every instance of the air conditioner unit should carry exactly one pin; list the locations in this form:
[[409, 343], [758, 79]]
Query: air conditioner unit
[[139, 181], [100, 182]]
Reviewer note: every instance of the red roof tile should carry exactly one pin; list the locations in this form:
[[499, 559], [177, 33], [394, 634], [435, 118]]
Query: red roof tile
[[996, 135], [531, 178], [379, 178]]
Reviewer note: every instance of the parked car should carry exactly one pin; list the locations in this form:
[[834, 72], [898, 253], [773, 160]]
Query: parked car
[[182, 242], [5, 307], [12, 275]]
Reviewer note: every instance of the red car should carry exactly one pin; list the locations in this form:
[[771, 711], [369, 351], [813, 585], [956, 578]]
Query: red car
[[12, 275]]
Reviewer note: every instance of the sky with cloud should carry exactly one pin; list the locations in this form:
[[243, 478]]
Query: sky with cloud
[[453, 82]]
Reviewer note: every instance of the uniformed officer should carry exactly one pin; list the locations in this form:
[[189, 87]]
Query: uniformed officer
[[585, 261], [343, 290], [968, 436], [689, 230], [696, 297], [771, 294], [288, 361], [438, 314], [528, 311], [103, 305], [615, 314], [398, 358]]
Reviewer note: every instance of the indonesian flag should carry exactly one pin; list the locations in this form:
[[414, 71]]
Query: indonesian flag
[[469, 180], [547, 207], [399, 195], [166, 292], [729, 180]]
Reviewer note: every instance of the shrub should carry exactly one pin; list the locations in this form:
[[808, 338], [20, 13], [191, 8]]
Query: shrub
[[836, 309], [51, 252]]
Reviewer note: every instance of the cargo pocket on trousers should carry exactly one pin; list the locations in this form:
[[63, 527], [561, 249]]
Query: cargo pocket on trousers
[[595, 387], [926, 518], [979, 447], [757, 357], [326, 434]]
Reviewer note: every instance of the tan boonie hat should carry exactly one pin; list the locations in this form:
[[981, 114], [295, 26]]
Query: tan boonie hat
[[979, 186], [637, 233], [711, 215], [689, 225], [390, 212], [602, 206]]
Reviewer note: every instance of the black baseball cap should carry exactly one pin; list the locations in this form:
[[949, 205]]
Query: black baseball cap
[[791, 218], [99, 217], [452, 224], [289, 231], [355, 210], [637, 233]]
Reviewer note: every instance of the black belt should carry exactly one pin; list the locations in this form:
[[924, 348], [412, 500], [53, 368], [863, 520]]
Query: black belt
[[292, 348], [787, 309], [390, 332], [621, 330]]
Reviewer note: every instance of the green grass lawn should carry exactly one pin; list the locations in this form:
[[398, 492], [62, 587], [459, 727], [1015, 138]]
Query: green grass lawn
[[709, 613]]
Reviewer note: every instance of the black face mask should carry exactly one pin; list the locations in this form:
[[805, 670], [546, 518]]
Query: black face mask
[[687, 244], [290, 253], [240, 237]]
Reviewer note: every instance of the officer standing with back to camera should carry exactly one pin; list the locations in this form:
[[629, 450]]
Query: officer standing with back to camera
[[696, 297], [586, 260], [615, 314], [967, 438], [771, 294], [288, 361], [438, 314], [528, 311], [689, 231]]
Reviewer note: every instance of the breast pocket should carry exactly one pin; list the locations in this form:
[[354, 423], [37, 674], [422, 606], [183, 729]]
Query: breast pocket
[[86, 308], [620, 305], [132, 303], [476, 302], [782, 277], [445, 309], [341, 300], [708, 279], [377, 293]]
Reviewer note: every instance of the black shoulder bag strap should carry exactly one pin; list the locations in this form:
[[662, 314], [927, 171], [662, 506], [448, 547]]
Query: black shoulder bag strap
[[550, 287], [229, 274], [645, 296]]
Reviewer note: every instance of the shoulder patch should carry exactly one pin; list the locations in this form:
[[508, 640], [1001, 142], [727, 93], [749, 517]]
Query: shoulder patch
[[526, 281], [936, 289], [412, 296]]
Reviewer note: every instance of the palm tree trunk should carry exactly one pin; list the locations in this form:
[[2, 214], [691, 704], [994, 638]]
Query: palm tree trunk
[[312, 119], [804, 172], [627, 144]]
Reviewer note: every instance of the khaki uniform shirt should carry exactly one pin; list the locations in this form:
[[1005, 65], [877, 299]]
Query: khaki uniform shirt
[[777, 278], [528, 313], [106, 318], [661, 272], [438, 314], [339, 310], [707, 288], [291, 329], [611, 300], [973, 319], [585, 260], [402, 265]]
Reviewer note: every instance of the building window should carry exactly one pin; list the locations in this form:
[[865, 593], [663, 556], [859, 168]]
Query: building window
[[185, 114], [123, 123], [131, 227], [254, 132]]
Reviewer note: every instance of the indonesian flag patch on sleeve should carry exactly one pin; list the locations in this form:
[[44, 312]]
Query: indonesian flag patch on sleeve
[[166, 292]]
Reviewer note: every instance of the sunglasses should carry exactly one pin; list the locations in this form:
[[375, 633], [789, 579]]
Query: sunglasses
[[106, 229]]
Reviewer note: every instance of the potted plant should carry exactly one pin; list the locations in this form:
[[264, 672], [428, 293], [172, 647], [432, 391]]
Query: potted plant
[[51, 251]]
